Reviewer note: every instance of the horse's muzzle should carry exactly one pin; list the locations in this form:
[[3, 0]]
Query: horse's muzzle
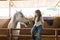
[[27, 23]]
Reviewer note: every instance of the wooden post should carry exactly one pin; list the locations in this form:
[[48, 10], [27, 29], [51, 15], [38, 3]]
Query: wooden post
[[56, 35], [10, 34]]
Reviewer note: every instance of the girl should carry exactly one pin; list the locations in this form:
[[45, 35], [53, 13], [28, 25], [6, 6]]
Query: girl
[[37, 25]]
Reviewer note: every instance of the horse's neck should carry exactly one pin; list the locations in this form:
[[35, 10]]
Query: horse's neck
[[13, 23], [16, 25]]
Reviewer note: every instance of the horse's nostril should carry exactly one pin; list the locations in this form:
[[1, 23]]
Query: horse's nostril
[[27, 23]]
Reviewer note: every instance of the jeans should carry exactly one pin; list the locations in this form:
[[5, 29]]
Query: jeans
[[34, 30]]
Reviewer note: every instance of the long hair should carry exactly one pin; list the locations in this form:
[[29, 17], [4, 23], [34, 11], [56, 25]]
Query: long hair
[[39, 15]]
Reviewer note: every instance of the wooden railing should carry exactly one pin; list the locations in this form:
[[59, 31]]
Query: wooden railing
[[56, 36]]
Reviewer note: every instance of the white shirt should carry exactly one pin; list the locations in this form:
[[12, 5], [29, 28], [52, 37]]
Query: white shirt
[[40, 22]]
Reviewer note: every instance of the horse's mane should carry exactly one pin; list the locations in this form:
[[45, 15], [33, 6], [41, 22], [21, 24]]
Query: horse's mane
[[21, 14]]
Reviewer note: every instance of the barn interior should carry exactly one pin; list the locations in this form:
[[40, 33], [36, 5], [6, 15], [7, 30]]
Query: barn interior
[[50, 11]]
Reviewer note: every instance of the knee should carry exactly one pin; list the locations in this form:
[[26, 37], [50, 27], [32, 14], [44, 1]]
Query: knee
[[38, 34]]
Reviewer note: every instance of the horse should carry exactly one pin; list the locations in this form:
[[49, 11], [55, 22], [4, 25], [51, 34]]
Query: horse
[[18, 17]]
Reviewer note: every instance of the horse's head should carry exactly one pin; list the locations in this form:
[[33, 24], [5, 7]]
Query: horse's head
[[21, 18]]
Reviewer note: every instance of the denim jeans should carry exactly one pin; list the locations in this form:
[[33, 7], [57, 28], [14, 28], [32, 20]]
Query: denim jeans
[[34, 30]]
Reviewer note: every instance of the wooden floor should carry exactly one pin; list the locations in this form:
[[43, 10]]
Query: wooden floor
[[56, 24]]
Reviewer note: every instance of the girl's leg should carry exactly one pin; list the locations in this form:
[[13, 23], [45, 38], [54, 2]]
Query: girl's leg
[[39, 28], [33, 32]]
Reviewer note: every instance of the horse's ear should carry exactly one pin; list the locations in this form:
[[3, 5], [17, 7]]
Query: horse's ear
[[21, 13], [20, 10]]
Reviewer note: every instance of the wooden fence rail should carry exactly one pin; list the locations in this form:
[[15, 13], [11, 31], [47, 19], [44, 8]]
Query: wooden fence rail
[[10, 33]]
